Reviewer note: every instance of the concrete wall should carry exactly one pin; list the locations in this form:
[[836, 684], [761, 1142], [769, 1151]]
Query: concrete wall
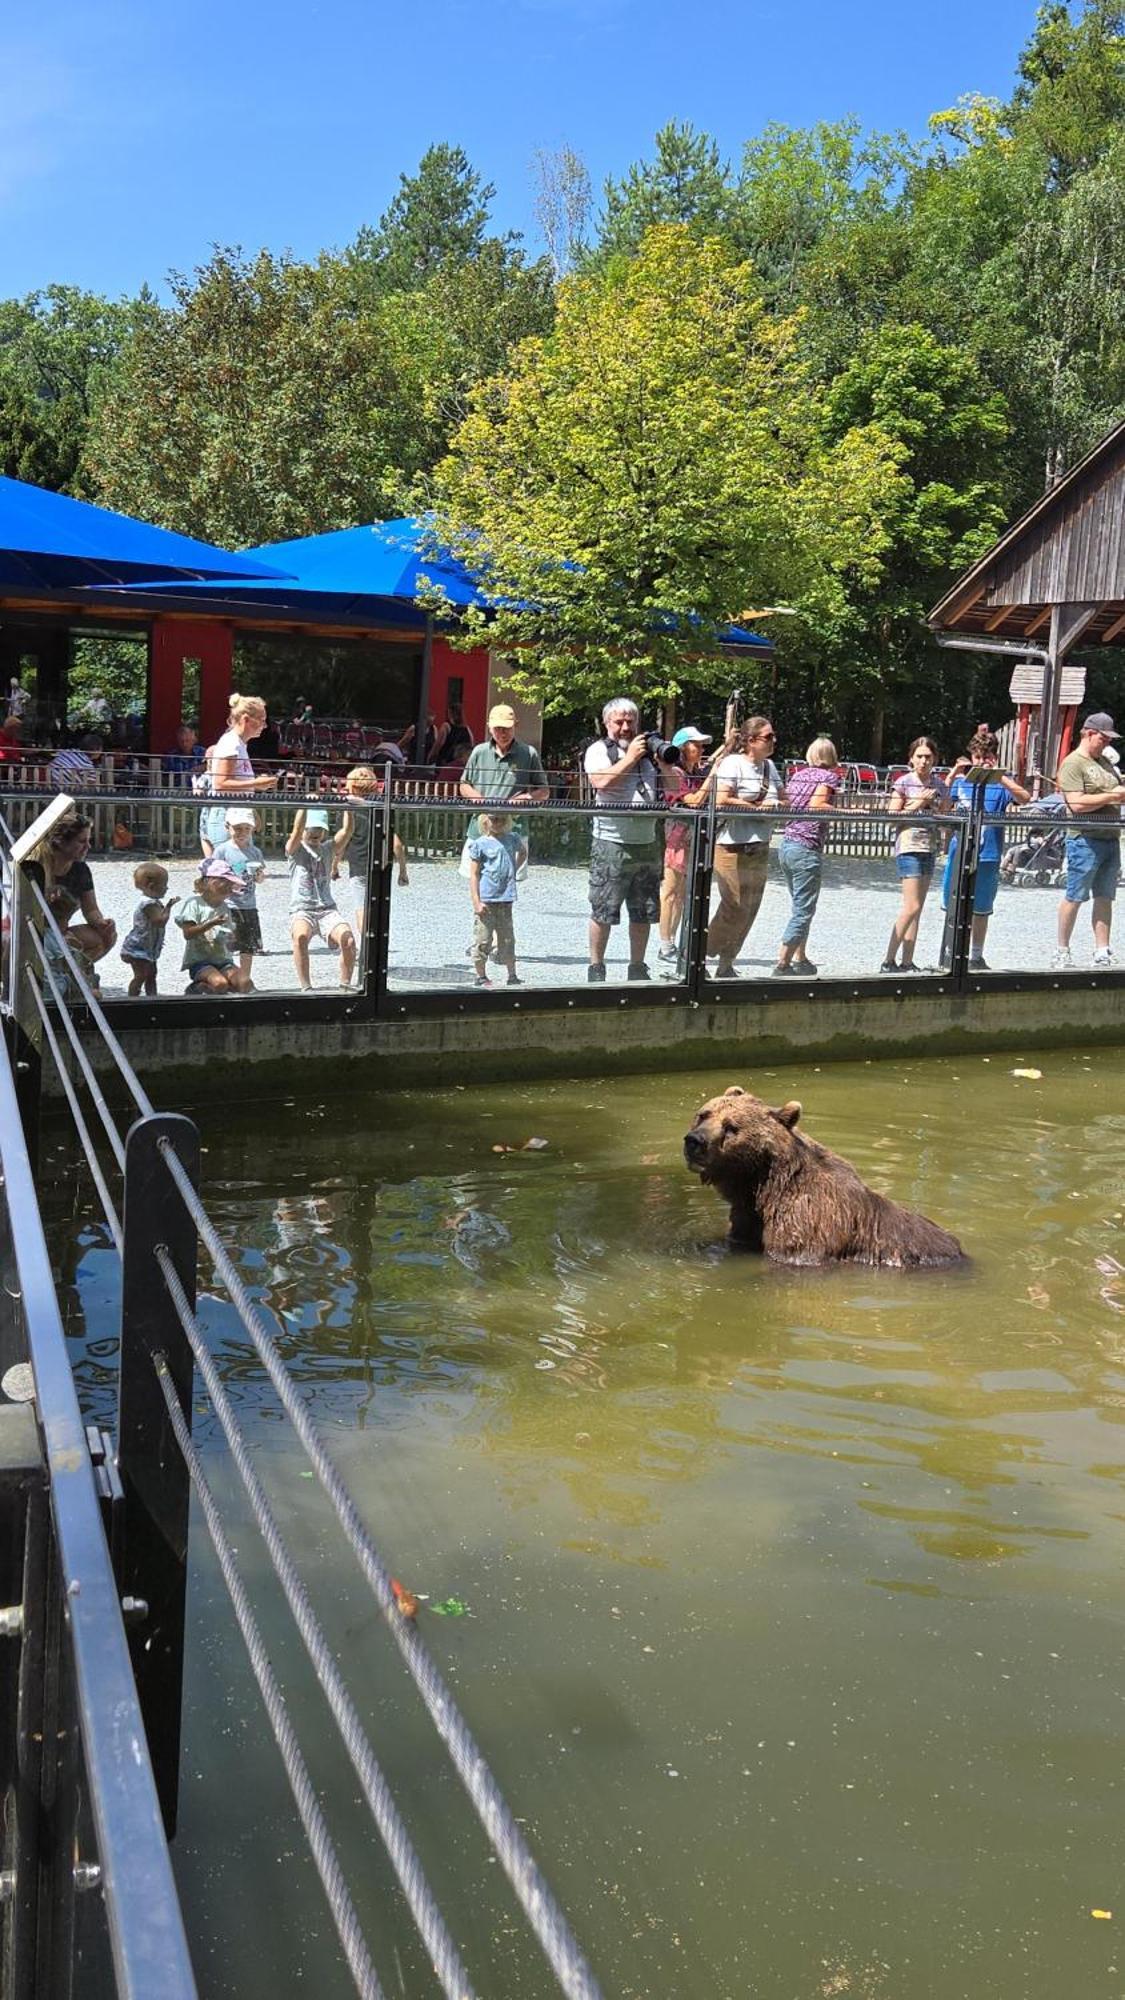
[[736, 1036]]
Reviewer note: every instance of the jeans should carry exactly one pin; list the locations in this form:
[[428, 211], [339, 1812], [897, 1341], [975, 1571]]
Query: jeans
[[802, 867]]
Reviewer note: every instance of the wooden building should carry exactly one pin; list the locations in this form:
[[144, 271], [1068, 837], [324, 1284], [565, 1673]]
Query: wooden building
[[1055, 580]]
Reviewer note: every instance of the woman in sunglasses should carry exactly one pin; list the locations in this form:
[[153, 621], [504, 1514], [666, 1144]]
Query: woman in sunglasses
[[747, 783]]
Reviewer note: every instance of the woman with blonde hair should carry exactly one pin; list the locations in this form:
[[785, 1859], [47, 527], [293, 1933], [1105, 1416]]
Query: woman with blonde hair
[[801, 854], [229, 768]]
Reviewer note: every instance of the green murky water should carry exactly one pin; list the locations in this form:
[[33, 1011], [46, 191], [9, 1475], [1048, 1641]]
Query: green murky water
[[795, 1600]]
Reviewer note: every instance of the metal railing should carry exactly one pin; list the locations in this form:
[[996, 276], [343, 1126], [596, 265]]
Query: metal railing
[[408, 909], [144, 1168]]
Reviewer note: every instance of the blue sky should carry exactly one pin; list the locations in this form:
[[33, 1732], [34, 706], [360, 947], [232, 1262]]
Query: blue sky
[[136, 136]]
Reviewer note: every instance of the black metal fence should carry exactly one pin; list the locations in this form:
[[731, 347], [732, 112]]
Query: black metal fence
[[401, 901]]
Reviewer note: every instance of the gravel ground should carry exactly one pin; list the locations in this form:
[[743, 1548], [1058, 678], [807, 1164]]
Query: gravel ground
[[431, 922]]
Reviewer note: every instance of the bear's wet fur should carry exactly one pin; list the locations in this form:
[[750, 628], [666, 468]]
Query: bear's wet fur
[[795, 1201]]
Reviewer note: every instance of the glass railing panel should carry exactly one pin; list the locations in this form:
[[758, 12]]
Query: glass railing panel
[[834, 907], [568, 876], [1033, 866], [144, 859]]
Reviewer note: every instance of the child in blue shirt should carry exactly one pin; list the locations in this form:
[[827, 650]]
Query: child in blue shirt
[[240, 852], [145, 942], [495, 856], [982, 755]]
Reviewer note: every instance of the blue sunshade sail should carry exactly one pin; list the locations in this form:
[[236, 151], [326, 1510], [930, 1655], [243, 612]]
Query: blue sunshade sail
[[49, 541], [383, 560]]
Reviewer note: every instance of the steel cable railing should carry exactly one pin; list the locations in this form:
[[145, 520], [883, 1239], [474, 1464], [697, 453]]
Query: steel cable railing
[[533, 1893], [312, 1819], [113, 1220], [431, 1925]]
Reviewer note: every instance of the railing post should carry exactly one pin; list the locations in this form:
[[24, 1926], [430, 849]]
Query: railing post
[[380, 864], [154, 1478], [966, 885], [699, 904], [26, 1028]]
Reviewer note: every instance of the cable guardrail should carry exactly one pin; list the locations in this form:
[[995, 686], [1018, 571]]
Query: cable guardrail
[[147, 1944], [157, 1227]]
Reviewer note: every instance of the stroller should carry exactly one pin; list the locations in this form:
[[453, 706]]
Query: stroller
[[1039, 861]]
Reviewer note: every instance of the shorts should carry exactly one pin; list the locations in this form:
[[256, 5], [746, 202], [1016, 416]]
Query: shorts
[[359, 893], [323, 924], [213, 824], [677, 840], [495, 931], [984, 892], [910, 866], [247, 929], [207, 965], [621, 874], [1092, 868]]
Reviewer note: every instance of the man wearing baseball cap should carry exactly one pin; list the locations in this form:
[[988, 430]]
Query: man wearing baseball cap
[[1091, 785], [503, 768]]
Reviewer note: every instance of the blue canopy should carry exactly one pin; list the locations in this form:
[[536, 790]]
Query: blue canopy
[[50, 542], [373, 573]]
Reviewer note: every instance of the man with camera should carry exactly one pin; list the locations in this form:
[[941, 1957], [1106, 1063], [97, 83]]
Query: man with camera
[[625, 855]]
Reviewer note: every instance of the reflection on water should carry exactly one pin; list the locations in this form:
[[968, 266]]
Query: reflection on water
[[794, 1597]]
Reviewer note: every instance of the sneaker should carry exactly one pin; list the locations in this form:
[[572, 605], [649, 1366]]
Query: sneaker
[[804, 968], [888, 965], [514, 979], [1062, 960], [482, 979], [979, 965], [596, 975], [1103, 957], [638, 970], [725, 971], [668, 951], [784, 971]]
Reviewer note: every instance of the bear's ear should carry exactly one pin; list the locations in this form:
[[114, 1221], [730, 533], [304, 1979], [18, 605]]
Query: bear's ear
[[787, 1114], [734, 1090]]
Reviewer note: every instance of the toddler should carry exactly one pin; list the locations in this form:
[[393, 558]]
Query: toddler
[[205, 920], [494, 858], [312, 910], [145, 942], [240, 852]]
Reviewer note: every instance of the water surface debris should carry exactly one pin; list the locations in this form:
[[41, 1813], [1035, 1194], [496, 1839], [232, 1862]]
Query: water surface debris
[[405, 1599], [1033, 1074]]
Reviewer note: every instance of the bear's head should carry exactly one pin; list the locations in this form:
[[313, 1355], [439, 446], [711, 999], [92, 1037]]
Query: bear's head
[[737, 1138]]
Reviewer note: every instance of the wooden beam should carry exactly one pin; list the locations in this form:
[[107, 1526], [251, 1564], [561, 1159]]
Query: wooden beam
[[1042, 618], [1117, 626], [998, 617]]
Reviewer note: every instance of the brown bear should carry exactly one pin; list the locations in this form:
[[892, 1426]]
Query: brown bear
[[797, 1202]]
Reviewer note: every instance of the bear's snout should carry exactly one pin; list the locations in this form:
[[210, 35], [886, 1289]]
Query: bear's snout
[[695, 1147]]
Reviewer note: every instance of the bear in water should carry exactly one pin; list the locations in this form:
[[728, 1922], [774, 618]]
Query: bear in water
[[797, 1202]]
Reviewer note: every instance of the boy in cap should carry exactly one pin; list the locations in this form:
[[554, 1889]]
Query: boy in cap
[[240, 852], [312, 908], [1092, 787]]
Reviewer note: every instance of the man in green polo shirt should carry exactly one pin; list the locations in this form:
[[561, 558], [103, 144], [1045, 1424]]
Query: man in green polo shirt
[[503, 768]]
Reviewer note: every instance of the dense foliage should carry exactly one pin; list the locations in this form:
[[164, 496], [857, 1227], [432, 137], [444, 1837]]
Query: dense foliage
[[821, 374]]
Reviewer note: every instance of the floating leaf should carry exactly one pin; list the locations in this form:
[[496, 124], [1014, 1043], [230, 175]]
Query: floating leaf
[[535, 1145], [1105, 1915], [1033, 1074], [450, 1607]]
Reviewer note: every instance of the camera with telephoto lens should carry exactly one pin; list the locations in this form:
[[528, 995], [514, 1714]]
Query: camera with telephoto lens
[[660, 751]]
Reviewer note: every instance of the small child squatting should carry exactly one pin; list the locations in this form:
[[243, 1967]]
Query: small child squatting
[[145, 942], [205, 920], [495, 856]]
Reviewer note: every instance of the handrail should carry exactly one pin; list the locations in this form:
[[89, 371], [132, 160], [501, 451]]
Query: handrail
[[146, 1932]]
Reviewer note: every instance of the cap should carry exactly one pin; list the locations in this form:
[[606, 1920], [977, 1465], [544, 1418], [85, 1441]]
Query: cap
[[1101, 722], [688, 735], [216, 870], [240, 816], [317, 818], [502, 717]]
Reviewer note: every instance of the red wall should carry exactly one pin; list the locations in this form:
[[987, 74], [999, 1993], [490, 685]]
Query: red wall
[[173, 641], [472, 668]]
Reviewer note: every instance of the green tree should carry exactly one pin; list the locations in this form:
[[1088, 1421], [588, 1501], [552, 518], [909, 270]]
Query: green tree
[[259, 405], [687, 182], [872, 655], [57, 348], [438, 217], [656, 465]]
